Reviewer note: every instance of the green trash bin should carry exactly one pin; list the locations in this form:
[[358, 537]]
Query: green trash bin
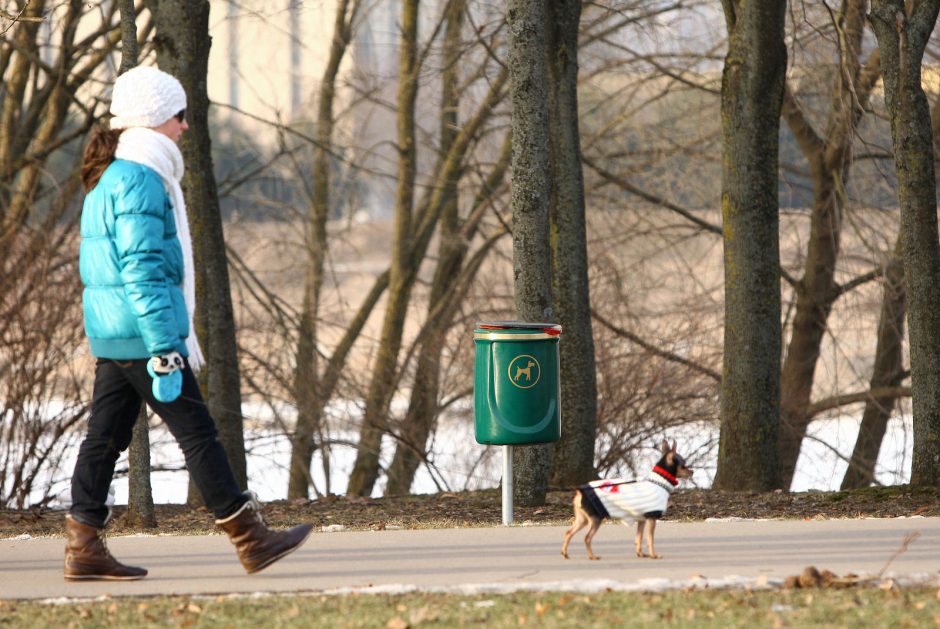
[[516, 394]]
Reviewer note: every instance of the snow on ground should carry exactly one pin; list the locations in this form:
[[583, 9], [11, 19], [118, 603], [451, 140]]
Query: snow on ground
[[461, 463]]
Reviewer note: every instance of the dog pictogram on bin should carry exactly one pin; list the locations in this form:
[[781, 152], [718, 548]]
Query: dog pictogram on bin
[[524, 371]]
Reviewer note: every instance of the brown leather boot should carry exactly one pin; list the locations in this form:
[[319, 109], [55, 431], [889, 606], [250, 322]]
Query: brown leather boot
[[87, 556], [258, 546]]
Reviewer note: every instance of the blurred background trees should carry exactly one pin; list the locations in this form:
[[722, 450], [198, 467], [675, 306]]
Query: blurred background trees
[[364, 179]]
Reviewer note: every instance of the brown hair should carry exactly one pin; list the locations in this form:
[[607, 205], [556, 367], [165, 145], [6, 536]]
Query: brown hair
[[99, 153]]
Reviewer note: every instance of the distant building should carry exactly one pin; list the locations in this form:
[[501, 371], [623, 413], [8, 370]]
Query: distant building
[[268, 56]]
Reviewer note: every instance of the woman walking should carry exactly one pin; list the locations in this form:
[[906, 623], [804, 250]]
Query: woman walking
[[136, 264]]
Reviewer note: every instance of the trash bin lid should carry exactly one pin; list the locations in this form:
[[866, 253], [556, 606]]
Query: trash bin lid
[[552, 329]]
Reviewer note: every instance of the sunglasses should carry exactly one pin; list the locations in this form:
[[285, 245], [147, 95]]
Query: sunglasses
[[180, 115]]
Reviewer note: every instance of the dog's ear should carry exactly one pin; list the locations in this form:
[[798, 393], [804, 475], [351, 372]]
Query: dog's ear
[[665, 446], [674, 446]]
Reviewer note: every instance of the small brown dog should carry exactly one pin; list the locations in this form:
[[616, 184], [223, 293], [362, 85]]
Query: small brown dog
[[641, 501]]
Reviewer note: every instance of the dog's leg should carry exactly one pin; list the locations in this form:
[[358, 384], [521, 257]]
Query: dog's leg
[[639, 538], [651, 530], [580, 521], [595, 524]]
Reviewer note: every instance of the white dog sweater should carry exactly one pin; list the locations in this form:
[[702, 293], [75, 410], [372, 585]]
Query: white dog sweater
[[622, 499]]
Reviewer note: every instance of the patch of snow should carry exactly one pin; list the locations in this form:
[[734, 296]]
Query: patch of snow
[[595, 586], [736, 519]]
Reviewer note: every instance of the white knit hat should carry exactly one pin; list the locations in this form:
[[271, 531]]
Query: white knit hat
[[145, 97]]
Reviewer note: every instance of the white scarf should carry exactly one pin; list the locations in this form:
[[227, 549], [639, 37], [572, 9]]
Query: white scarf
[[151, 148]]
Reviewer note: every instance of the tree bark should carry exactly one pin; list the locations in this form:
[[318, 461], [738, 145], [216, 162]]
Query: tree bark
[[531, 185], [888, 372], [902, 37], [182, 42], [574, 453], [128, 36], [140, 511], [751, 95]]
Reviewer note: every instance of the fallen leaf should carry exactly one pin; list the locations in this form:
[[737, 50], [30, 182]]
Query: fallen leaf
[[810, 577]]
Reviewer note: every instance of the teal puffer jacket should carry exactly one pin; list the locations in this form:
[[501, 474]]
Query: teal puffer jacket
[[131, 265]]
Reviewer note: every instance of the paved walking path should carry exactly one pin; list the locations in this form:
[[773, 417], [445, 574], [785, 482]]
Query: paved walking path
[[487, 559]]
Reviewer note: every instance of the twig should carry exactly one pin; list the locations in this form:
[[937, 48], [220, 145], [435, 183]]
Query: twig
[[910, 537]]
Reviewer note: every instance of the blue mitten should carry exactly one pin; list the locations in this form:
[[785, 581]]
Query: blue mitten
[[167, 377]]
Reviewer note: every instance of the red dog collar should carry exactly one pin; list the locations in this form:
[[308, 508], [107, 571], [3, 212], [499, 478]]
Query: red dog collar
[[665, 474]]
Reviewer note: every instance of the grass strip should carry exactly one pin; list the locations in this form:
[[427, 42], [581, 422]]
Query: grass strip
[[855, 607]]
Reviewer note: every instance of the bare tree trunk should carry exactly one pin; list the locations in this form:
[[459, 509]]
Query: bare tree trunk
[[888, 372], [128, 36], [830, 160], [531, 185], [452, 279], [902, 37], [422, 222], [889, 367], [45, 127], [14, 91], [140, 511], [182, 43], [751, 94], [422, 409], [374, 423], [574, 453], [306, 379]]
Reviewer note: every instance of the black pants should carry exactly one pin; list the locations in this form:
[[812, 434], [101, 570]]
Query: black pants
[[120, 387]]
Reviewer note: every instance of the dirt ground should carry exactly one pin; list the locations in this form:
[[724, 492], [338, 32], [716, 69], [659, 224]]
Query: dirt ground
[[482, 508]]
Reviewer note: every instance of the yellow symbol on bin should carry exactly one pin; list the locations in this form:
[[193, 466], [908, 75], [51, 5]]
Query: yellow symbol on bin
[[524, 371]]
